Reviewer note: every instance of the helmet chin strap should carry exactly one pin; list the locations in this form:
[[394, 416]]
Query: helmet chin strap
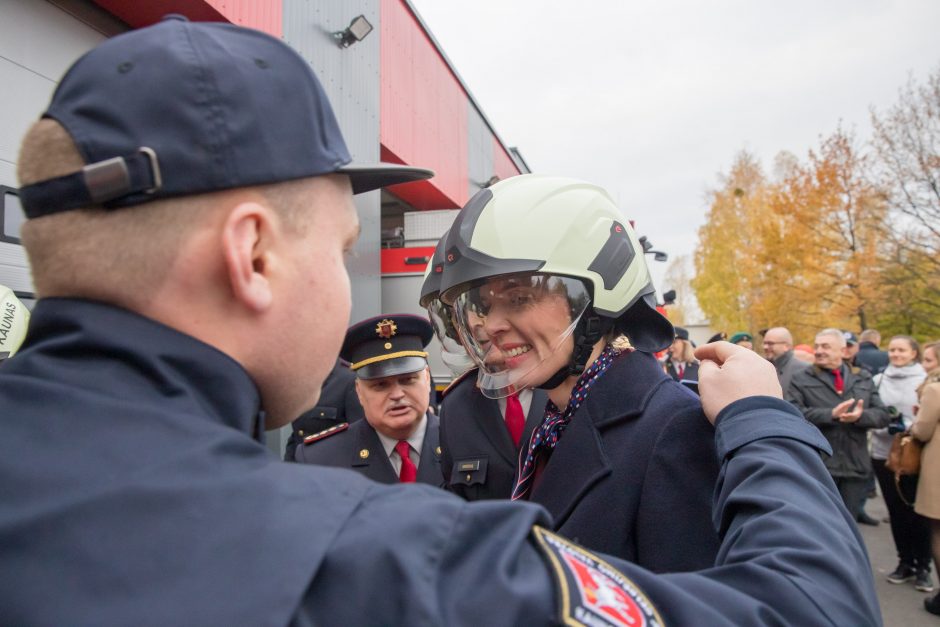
[[589, 330]]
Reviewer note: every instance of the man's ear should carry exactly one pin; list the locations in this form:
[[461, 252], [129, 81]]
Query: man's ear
[[247, 238]]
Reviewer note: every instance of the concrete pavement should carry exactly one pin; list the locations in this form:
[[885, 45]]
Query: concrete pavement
[[901, 605]]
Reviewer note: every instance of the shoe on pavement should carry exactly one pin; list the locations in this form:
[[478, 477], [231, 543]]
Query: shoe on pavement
[[902, 574], [932, 604], [922, 581], [865, 519]]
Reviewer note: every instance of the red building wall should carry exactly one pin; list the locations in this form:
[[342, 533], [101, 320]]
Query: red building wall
[[264, 15], [423, 119]]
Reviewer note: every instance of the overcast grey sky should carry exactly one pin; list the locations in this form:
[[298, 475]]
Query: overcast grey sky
[[653, 99]]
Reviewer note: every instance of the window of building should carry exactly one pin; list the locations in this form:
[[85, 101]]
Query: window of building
[[11, 217]]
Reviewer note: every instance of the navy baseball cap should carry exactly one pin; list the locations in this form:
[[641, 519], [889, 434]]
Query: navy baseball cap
[[387, 345], [182, 108]]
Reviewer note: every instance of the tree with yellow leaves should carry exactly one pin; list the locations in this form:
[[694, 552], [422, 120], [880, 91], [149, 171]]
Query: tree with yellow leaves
[[802, 252], [724, 282]]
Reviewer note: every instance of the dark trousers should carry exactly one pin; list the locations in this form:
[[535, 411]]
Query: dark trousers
[[852, 490], [910, 530]]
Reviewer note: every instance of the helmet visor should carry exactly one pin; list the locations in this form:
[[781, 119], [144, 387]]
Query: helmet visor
[[517, 328], [453, 353], [442, 319]]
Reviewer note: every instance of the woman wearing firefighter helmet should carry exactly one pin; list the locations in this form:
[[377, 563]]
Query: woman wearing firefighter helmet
[[544, 275], [480, 436]]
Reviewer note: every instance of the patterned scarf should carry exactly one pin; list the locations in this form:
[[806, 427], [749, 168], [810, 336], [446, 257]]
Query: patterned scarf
[[546, 436]]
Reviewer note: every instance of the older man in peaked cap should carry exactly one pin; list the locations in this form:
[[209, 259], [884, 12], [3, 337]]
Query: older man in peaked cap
[[399, 440]]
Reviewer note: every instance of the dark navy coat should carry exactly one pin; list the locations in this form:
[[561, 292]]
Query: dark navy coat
[[813, 392], [359, 448], [871, 358], [134, 490], [338, 404], [633, 473], [479, 458]]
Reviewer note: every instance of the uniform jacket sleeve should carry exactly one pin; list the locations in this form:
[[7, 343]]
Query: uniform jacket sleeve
[[430, 559], [778, 511]]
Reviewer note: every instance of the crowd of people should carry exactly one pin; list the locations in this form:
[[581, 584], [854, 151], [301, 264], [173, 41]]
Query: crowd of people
[[189, 265], [860, 396]]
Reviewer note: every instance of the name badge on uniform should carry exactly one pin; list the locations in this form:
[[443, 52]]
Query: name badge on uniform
[[591, 592], [469, 465]]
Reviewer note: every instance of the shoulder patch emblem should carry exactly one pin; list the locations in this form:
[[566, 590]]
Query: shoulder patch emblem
[[591, 592], [456, 382], [310, 439]]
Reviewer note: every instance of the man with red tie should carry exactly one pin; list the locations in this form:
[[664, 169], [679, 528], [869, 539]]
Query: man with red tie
[[481, 437], [399, 440], [844, 403]]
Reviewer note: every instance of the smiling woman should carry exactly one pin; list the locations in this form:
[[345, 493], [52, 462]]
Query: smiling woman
[[519, 327], [544, 275]]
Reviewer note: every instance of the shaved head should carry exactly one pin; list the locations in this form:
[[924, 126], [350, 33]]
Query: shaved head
[[777, 341]]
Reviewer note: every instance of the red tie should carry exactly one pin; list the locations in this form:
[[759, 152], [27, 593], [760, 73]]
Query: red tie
[[680, 370], [838, 383], [408, 472], [515, 418]]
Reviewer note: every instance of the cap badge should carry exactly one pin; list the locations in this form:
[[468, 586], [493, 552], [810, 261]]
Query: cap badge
[[364, 453], [386, 328]]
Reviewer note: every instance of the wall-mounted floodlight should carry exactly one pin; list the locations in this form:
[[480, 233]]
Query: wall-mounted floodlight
[[356, 31]]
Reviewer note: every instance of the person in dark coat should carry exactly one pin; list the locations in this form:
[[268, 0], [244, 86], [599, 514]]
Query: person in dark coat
[[617, 431], [844, 404], [479, 456], [778, 349], [338, 404], [869, 355], [358, 446], [399, 440], [137, 489], [681, 364]]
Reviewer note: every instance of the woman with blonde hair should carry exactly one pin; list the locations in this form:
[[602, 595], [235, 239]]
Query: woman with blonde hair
[[897, 387], [681, 364]]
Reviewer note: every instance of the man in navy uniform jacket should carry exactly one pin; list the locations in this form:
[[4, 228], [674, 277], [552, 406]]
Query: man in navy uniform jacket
[[399, 439], [189, 203], [338, 403]]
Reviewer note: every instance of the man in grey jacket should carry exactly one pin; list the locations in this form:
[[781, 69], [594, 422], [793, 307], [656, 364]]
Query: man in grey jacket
[[778, 349], [843, 402]]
